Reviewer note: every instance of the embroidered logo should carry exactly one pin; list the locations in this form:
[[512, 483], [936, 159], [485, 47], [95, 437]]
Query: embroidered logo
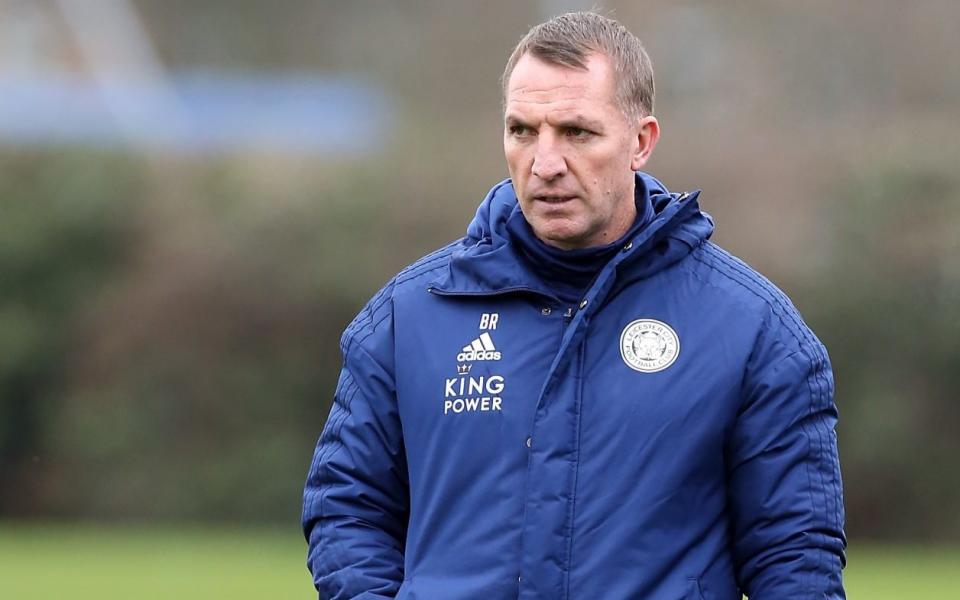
[[481, 348], [648, 345], [468, 393]]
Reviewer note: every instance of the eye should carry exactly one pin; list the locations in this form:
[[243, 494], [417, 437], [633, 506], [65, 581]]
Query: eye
[[578, 132], [518, 130]]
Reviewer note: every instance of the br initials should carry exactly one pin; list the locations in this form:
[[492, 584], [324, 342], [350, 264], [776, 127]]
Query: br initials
[[489, 320]]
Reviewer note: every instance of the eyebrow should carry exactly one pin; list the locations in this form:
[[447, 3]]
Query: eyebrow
[[578, 121]]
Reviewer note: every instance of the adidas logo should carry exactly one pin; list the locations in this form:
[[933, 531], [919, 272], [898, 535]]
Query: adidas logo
[[481, 348]]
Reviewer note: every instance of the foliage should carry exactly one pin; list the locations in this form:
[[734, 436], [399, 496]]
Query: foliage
[[199, 379], [66, 224], [888, 307]]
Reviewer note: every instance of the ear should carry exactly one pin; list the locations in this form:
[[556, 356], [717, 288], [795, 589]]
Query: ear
[[647, 135]]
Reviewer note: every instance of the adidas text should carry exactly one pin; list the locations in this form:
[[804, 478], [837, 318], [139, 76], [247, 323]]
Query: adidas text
[[481, 348], [478, 355]]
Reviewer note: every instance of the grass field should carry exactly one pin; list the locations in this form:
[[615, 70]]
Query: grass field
[[107, 563]]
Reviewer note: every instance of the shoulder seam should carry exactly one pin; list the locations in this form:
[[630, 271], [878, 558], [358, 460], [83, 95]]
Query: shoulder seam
[[736, 271], [728, 266], [367, 319], [428, 263]]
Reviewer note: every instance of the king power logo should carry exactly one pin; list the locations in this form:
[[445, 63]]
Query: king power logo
[[466, 393]]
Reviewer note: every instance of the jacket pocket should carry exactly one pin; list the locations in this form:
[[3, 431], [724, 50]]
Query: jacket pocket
[[694, 592]]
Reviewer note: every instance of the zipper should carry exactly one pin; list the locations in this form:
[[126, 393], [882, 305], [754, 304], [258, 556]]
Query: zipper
[[500, 292], [567, 317]]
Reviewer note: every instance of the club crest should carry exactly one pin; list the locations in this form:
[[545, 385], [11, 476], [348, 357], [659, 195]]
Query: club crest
[[648, 345]]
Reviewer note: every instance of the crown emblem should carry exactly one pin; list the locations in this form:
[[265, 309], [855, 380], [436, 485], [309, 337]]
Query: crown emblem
[[463, 369]]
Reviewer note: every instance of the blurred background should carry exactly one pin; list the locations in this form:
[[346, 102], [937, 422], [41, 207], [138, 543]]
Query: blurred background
[[197, 196]]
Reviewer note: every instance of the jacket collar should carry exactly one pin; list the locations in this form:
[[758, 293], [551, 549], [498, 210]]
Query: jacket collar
[[488, 263]]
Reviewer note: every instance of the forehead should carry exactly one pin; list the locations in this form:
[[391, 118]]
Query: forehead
[[536, 83]]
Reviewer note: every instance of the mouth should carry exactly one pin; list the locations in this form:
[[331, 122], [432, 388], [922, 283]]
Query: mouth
[[553, 198]]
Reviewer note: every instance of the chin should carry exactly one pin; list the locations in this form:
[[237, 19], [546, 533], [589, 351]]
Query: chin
[[560, 238]]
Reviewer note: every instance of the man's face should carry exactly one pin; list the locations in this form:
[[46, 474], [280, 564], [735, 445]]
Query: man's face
[[572, 152]]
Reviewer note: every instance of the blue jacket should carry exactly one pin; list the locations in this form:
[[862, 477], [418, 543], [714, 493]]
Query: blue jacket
[[671, 436]]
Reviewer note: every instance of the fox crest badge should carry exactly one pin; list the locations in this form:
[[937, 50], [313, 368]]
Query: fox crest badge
[[648, 345]]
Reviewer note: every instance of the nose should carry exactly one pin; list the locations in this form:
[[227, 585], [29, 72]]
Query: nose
[[548, 160]]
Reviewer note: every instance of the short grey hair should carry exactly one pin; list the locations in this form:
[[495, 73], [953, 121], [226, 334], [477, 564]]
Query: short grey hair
[[569, 39]]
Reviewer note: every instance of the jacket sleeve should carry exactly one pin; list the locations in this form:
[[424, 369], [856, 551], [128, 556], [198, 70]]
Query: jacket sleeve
[[784, 476], [355, 505]]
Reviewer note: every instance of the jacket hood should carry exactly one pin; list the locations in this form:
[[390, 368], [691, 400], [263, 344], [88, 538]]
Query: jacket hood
[[488, 262]]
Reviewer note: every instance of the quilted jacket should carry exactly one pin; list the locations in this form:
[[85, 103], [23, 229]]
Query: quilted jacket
[[670, 436]]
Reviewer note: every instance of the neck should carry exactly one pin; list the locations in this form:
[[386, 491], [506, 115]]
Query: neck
[[569, 271], [621, 223]]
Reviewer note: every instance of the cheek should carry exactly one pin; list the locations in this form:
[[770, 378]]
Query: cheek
[[515, 158], [611, 169]]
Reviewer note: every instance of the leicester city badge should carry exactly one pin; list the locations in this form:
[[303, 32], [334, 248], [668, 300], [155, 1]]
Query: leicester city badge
[[648, 345]]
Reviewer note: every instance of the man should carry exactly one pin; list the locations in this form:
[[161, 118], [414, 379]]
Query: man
[[583, 397]]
